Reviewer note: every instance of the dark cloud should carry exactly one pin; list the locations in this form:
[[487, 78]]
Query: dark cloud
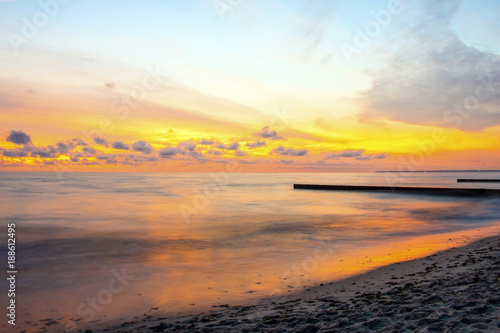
[[63, 148], [433, 78], [357, 154], [206, 142], [143, 147], [101, 141], [79, 142], [378, 156], [215, 152], [288, 152], [110, 159], [195, 154], [169, 152], [19, 138], [120, 145], [268, 134], [240, 153], [15, 153], [346, 153], [187, 145], [87, 162], [233, 146], [89, 149], [256, 144], [286, 161], [42, 153]]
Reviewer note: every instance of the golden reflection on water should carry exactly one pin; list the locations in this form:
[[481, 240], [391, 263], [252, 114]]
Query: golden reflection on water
[[240, 276], [245, 244]]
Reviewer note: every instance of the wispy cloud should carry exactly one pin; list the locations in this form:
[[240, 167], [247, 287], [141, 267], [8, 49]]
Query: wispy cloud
[[434, 78]]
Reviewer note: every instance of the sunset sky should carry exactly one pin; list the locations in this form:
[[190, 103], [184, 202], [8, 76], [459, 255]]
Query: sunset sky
[[278, 86]]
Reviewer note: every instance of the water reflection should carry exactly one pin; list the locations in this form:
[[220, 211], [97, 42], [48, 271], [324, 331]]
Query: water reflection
[[254, 238]]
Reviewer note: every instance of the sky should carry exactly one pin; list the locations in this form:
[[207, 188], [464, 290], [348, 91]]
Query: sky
[[268, 86]]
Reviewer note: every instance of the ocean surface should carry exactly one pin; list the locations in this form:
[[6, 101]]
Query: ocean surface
[[93, 248]]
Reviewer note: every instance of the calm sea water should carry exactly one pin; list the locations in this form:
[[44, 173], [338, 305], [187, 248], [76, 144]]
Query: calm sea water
[[97, 247]]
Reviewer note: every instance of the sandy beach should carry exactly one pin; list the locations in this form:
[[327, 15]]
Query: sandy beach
[[456, 290]]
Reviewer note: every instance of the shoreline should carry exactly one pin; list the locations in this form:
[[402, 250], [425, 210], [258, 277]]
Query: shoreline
[[456, 290]]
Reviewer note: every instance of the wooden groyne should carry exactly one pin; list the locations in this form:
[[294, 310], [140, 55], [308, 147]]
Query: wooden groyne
[[461, 192], [478, 180]]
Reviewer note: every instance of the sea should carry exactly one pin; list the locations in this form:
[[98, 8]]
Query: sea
[[99, 248]]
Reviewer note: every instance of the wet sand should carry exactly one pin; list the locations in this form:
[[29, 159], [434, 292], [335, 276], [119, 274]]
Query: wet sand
[[456, 290]]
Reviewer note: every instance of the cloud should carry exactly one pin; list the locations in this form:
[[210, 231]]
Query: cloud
[[19, 138], [143, 147], [357, 154], [346, 153], [206, 142], [109, 85], [233, 146], [101, 141], [169, 152], [89, 149], [256, 144], [189, 148], [433, 78], [288, 152], [195, 154], [63, 148], [286, 161], [110, 159], [240, 153], [120, 145], [267, 134], [378, 156], [79, 142], [15, 153], [187, 145], [42, 153], [215, 152], [315, 19]]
